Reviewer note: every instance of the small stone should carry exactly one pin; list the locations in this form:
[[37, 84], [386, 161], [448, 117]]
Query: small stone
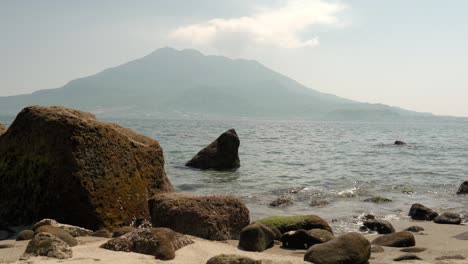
[[232, 259], [413, 249], [399, 143], [281, 202], [407, 257], [25, 235], [414, 229], [450, 257]]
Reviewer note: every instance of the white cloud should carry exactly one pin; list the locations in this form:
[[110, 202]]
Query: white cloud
[[276, 27]]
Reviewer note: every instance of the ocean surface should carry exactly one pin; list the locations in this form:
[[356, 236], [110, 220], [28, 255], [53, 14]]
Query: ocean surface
[[341, 163]]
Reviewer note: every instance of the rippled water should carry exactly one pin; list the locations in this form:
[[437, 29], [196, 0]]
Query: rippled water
[[342, 163]]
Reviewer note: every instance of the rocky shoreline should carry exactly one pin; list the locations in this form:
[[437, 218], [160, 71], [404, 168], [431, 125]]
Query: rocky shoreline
[[106, 189]]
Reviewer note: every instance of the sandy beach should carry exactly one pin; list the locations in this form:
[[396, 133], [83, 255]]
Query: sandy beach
[[437, 239]]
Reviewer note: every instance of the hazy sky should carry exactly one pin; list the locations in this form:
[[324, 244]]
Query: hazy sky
[[412, 54]]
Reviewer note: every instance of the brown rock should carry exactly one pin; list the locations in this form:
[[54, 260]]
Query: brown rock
[[122, 231], [398, 239], [421, 212], [232, 259], [95, 174], [351, 248], [319, 203], [25, 235], [448, 218], [75, 231], [414, 229], [377, 249], [46, 244], [102, 233], [58, 232], [256, 237], [381, 226], [407, 257], [462, 236], [281, 202], [159, 242], [221, 154], [459, 257], [413, 249], [214, 217]]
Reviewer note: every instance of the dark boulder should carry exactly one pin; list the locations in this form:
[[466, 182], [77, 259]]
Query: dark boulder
[[398, 239], [414, 229], [58, 232], [299, 239], [221, 154], [380, 226], [295, 222], [25, 235], [399, 143], [256, 237], [407, 257], [448, 218], [351, 248], [462, 190], [421, 212], [76, 170], [159, 242], [214, 217], [232, 259]]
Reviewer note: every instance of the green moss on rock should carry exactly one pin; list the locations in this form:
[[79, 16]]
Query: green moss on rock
[[378, 199], [290, 223]]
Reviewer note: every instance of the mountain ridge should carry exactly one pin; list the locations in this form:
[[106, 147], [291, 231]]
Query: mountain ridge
[[170, 82]]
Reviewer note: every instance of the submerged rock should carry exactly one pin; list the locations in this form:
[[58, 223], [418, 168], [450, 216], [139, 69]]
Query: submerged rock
[[256, 237], [48, 245], [463, 189], [221, 154], [380, 226], [421, 212], [448, 218], [214, 217], [351, 248], [319, 203], [281, 202], [95, 174], [378, 199], [232, 259], [159, 242], [399, 143], [291, 223], [399, 239]]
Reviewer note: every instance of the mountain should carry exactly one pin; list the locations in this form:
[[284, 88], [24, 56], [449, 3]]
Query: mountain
[[169, 82]]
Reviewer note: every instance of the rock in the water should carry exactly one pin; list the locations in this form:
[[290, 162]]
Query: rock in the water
[[232, 259], [281, 202], [296, 222], [319, 203], [377, 249], [381, 226], [58, 232], [448, 218], [462, 190], [3, 129], [122, 231], [25, 235], [414, 229], [214, 217], [221, 154], [95, 174], [421, 212], [413, 249], [398, 239], [378, 199], [46, 244], [102, 233], [256, 237], [351, 248], [159, 242], [407, 257], [299, 239], [75, 231], [399, 143]]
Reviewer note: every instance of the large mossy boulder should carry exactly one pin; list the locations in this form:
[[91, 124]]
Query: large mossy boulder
[[296, 222], [221, 154], [351, 248], [159, 242], [64, 164], [214, 217]]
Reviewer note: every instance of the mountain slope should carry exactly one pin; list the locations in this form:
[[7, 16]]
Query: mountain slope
[[169, 82]]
